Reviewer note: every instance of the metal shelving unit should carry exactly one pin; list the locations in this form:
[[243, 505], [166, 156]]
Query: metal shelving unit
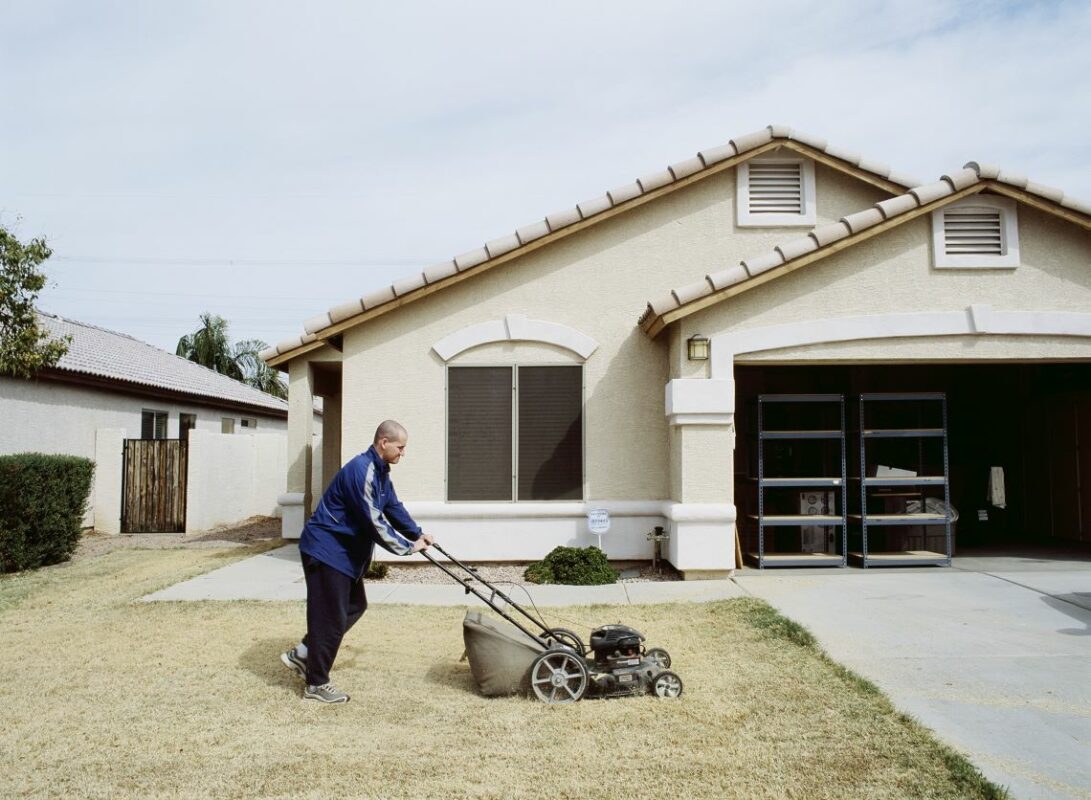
[[765, 559], [867, 520]]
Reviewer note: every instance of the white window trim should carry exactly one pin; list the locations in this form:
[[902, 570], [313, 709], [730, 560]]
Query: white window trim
[[745, 219], [515, 328], [1009, 231]]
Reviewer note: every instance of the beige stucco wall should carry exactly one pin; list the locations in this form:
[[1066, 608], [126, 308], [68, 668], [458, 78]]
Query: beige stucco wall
[[893, 273], [597, 282]]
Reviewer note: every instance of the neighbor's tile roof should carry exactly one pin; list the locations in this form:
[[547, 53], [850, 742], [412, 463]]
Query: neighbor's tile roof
[[106, 354], [971, 174], [704, 160]]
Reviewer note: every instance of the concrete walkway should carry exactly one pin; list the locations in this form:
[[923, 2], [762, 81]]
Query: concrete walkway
[[277, 575], [993, 654]]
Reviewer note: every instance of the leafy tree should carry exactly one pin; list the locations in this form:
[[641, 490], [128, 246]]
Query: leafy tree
[[209, 347], [24, 347]]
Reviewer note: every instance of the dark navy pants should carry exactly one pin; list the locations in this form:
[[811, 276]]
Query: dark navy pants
[[334, 603]]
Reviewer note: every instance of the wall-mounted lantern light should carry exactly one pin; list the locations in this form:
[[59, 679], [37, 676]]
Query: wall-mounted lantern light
[[697, 347]]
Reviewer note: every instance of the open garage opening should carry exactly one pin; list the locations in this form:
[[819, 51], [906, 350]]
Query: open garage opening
[[1013, 434]]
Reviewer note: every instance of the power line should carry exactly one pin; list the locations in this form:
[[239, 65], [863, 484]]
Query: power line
[[209, 295], [246, 262]]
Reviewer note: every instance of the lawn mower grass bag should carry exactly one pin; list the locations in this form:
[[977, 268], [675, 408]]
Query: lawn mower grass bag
[[500, 654]]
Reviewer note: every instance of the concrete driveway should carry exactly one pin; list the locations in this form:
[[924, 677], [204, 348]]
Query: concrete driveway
[[994, 654]]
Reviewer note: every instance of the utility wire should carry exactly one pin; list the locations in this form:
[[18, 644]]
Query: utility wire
[[247, 262]]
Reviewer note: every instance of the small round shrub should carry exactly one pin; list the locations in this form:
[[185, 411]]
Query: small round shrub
[[573, 566], [42, 499], [377, 570]]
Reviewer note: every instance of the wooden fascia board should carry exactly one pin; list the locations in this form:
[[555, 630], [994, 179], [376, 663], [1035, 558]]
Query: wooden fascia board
[[657, 324], [281, 361], [1040, 203]]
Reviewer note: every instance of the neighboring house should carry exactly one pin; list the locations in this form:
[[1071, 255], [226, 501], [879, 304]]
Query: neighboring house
[[613, 355], [110, 381]]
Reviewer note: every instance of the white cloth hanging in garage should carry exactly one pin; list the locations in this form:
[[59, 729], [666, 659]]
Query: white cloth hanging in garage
[[996, 487]]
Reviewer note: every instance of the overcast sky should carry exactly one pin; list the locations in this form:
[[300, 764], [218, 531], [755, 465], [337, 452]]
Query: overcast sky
[[267, 160]]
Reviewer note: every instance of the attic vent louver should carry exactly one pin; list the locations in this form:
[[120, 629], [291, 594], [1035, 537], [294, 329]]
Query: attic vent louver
[[973, 231], [776, 187]]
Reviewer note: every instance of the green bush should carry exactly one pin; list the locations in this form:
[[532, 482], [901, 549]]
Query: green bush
[[376, 571], [575, 566], [42, 499]]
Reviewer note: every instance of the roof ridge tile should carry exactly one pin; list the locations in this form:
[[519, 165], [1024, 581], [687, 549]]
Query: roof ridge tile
[[862, 220], [753, 140], [763, 263], [714, 155], [962, 178], [437, 272], [930, 192], [796, 248], [655, 180], [830, 233], [627, 192]]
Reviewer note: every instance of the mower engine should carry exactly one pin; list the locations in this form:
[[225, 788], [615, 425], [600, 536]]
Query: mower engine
[[621, 666]]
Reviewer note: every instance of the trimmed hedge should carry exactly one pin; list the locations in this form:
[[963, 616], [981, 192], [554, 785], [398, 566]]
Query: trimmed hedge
[[42, 500], [574, 566]]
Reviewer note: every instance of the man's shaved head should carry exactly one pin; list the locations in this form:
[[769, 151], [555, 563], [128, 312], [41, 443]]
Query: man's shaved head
[[389, 429]]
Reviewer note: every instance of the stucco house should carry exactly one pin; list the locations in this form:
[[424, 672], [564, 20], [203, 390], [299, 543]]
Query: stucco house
[[771, 329], [109, 382]]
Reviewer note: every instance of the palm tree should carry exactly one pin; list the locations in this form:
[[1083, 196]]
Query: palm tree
[[256, 372], [209, 347]]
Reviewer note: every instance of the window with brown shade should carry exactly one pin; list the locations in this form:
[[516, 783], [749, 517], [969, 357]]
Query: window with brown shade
[[515, 433]]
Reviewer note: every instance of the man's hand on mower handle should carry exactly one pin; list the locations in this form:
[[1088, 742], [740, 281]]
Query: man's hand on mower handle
[[423, 543]]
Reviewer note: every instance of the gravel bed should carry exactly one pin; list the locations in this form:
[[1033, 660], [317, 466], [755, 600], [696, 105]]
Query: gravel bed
[[252, 531], [511, 573]]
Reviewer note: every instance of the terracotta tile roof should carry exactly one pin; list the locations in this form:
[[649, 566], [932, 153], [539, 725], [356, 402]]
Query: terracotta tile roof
[[704, 160], [973, 173], [106, 354]]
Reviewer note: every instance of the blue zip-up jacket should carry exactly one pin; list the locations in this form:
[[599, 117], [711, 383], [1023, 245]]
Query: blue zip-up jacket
[[359, 510]]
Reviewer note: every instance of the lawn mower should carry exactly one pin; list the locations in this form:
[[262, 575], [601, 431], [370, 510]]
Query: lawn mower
[[553, 663]]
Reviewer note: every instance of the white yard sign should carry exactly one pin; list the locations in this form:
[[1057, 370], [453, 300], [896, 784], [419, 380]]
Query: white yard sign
[[598, 520]]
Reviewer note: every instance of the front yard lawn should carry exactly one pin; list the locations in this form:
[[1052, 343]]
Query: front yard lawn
[[109, 697]]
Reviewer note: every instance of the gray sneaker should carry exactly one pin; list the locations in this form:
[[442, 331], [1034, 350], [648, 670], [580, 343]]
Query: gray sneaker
[[294, 662], [326, 693]]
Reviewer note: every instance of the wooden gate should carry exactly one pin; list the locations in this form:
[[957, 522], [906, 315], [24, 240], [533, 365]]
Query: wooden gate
[[153, 486]]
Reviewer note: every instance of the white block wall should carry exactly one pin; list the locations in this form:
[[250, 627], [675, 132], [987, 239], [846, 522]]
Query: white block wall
[[233, 477]]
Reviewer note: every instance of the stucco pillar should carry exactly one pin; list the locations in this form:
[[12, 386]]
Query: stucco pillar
[[331, 439], [702, 447], [109, 462], [300, 430]]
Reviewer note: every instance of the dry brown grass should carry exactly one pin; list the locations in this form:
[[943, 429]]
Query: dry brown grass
[[109, 697]]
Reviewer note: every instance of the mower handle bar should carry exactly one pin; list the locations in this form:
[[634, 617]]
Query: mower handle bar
[[468, 585]]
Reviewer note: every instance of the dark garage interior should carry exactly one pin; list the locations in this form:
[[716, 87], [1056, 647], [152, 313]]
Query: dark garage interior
[[1013, 433]]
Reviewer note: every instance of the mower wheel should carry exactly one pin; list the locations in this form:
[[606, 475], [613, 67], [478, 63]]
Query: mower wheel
[[569, 638], [667, 684], [660, 657], [558, 676]]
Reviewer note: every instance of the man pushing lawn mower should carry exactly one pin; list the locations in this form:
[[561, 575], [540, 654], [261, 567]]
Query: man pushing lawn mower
[[359, 510]]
